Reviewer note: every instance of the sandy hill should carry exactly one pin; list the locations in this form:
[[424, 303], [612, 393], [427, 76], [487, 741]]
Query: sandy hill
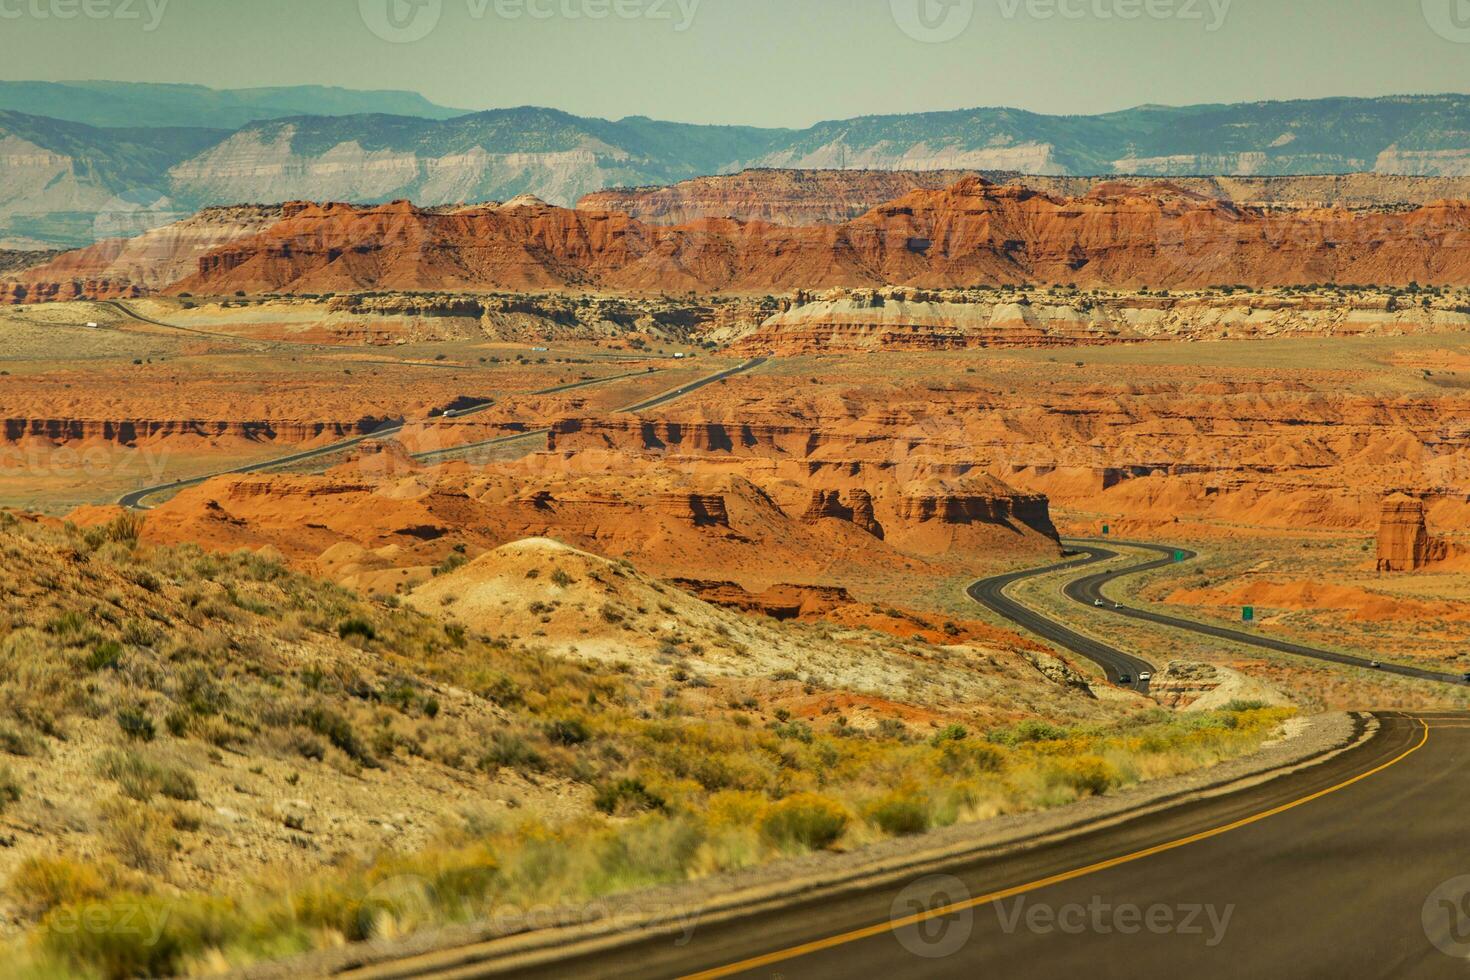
[[576, 604]]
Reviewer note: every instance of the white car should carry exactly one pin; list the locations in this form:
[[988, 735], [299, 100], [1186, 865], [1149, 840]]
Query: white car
[[1098, 603], [1145, 677]]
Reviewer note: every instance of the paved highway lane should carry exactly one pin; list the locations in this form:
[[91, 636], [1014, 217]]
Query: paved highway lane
[[643, 406], [991, 593], [1334, 871], [136, 499], [1088, 592]]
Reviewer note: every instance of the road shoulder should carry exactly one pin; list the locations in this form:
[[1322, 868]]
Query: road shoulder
[[521, 940]]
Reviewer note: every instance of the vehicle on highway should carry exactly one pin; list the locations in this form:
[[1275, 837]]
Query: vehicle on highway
[[1098, 603], [1376, 665], [1125, 679], [1145, 677], [1467, 677]]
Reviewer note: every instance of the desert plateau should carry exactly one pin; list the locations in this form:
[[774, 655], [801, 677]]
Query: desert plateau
[[843, 531]]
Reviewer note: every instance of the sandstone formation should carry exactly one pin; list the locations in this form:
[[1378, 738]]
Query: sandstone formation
[[811, 197], [872, 322], [972, 232], [122, 268], [1193, 686], [1404, 541], [766, 518]]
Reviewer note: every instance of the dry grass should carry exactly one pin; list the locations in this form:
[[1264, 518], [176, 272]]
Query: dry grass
[[161, 664]]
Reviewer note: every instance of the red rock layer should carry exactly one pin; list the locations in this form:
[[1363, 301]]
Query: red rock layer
[[132, 431], [1404, 542], [973, 232], [809, 197]]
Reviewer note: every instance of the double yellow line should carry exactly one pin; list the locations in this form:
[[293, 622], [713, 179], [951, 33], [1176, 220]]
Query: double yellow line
[[805, 949]]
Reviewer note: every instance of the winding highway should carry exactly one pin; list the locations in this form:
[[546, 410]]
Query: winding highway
[[991, 593], [1088, 592], [1356, 866]]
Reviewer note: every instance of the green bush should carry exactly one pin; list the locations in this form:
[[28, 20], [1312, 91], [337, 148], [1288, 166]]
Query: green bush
[[140, 779], [1239, 707], [337, 730], [105, 656], [626, 795], [567, 731], [136, 724], [10, 791], [804, 821], [356, 626], [510, 751], [950, 733], [901, 813]]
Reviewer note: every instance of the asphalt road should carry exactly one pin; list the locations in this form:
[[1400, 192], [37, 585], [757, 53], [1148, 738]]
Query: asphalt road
[[1088, 592], [642, 406], [134, 500], [1335, 871], [991, 593]]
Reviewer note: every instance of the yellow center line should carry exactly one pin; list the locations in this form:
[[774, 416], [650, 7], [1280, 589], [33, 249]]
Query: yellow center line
[[780, 956]]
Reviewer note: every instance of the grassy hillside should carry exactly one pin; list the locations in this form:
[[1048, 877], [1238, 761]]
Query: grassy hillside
[[211, 760]]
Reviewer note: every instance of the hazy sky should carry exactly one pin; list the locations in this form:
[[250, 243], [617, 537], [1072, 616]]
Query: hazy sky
[[766, 62]]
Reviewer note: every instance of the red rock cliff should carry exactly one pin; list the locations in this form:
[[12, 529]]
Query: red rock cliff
[[1404, 542]]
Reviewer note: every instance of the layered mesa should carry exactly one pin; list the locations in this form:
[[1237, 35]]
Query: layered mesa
[[1122, 235]]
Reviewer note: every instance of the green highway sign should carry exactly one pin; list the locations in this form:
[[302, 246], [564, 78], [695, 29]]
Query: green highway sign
[[1249, 614], [1178, 556]]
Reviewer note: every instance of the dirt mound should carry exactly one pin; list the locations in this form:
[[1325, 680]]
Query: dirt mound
[[1192, 686], [577, 604]]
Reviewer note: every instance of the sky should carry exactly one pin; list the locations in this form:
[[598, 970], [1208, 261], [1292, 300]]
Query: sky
[[760, 62]]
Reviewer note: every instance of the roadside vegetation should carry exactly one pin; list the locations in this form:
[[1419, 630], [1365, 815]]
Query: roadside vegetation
[[166, 661]]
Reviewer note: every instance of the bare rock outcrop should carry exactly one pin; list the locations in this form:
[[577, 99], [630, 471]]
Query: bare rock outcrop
[[1117, 235], [1404, 541]]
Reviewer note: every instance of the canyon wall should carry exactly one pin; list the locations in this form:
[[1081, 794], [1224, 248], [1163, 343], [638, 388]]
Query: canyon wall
[[812, 197], [970, 233]]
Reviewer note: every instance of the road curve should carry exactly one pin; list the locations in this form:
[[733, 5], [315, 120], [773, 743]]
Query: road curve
[[1334, 870], [1088, 592], [991, 593]]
